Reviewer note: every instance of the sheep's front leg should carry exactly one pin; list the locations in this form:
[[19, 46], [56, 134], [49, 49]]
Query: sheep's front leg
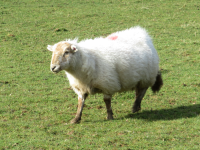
[[140, 92], [107, 100], [81, 100]]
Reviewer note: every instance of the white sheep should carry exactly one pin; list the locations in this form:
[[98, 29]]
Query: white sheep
[[123, 61]]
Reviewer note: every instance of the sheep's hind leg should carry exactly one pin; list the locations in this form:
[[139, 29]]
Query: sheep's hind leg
[[81, 100], [140, 92], [107, 100]]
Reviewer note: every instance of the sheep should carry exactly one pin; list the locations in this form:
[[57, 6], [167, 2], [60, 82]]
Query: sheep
[[123, 61]]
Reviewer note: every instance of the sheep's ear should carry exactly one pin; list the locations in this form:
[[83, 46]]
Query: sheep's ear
[[73, 48], [50, 47]]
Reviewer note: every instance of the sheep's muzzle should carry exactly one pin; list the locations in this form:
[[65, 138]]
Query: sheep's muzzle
[[55, 68]]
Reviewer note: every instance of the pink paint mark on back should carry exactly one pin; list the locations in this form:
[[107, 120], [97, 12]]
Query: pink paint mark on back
[[112, 37]]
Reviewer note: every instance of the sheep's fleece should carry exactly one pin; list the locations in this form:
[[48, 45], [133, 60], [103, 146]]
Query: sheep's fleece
[[114, 64]]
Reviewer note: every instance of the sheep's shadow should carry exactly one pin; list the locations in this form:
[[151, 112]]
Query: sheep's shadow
[[167, 114], [162, 114]]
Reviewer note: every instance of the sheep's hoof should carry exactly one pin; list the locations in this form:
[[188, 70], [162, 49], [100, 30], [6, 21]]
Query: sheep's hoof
[[110, 117], [136, 109], [75, 120]]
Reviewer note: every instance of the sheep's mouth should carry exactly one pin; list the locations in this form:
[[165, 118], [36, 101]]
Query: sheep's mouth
[[56, 69]]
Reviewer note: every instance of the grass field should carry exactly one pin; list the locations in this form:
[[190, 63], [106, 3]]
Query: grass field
[[36, 105]]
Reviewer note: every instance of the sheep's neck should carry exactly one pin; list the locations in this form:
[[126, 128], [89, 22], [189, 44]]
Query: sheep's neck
[[77, 71]]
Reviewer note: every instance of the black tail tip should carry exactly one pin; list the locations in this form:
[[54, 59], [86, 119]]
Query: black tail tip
[[158, 84]]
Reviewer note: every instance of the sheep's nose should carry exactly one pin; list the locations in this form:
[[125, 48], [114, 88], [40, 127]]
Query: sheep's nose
[[55, 68]]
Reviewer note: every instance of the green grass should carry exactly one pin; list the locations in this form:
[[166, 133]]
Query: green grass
[[35, 104]]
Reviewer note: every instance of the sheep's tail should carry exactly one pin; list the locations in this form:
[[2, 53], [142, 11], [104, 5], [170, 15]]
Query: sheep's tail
[[158, 84]]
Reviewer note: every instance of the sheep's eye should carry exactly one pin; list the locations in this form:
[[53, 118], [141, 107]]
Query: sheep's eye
[[66, 53]]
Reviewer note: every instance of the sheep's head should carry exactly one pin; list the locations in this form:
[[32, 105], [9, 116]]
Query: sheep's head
[[62, 54]]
